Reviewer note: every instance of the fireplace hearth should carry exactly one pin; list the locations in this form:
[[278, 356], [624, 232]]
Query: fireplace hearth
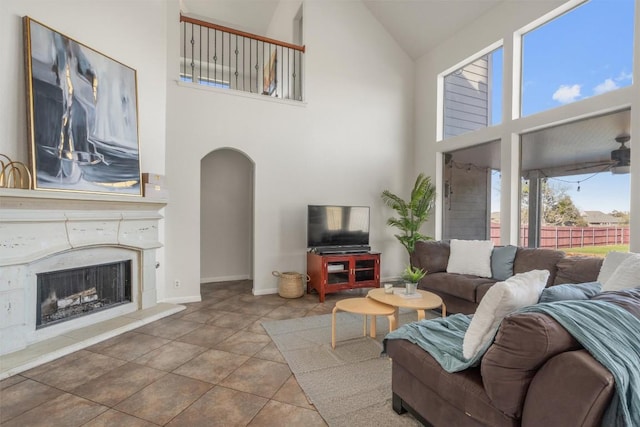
[[68, 294]]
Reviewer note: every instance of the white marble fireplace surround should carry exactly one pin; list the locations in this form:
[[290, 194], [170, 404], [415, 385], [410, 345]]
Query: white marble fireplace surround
[[48, 231]]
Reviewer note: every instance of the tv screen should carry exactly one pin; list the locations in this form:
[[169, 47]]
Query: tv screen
[[337, 226]]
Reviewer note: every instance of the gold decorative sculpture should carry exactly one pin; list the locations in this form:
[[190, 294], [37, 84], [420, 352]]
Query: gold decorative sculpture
[[14, 174]]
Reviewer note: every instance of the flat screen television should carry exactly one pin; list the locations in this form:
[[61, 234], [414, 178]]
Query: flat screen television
[[338, 228]]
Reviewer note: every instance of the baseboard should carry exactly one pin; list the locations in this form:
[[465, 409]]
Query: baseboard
[[268, 291], [224, 278], [183, 300]]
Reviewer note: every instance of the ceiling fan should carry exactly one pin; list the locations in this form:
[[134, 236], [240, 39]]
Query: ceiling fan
[[621, 156], [620, 159]]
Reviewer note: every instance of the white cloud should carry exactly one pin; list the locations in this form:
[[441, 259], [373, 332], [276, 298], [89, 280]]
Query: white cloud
[[606, 86], [566, 94], [624, 76]]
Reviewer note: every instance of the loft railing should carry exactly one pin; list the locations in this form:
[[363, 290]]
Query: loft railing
[[218, 56]]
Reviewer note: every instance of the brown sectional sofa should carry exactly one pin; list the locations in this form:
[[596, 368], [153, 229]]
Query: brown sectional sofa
[[534, 374], [462, 293]]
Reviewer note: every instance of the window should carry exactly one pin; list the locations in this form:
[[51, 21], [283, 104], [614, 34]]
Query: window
[[472, 95], [582, 53], [572, 195], [470, 184]]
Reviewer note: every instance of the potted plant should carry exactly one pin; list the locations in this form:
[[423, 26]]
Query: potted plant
[[411, 215], [412, 275]]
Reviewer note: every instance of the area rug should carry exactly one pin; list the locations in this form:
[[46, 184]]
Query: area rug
[[349, 386]]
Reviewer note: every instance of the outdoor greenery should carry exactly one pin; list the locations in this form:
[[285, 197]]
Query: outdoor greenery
[[412, 213], [599, 251], [558, 207]]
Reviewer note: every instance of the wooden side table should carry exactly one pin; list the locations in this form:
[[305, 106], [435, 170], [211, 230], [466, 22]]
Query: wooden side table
[[366, 307]]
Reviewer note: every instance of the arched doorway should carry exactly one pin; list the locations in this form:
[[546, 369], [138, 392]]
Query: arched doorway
[[226, 216]]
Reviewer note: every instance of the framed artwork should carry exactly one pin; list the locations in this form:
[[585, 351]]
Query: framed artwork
[[269, 81], [82, 116]]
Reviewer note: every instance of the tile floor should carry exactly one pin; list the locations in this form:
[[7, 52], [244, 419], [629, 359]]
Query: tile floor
[[209, 365]]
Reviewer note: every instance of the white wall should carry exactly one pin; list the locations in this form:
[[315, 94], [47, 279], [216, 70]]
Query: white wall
[[500, 23], [350, 140], [226, 216], [132, 32]]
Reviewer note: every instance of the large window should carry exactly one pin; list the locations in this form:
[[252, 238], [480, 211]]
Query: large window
[[472, 95], [575, 194], [582, 53]]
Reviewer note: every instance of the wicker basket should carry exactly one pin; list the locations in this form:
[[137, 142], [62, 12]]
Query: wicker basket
[[289, 284]]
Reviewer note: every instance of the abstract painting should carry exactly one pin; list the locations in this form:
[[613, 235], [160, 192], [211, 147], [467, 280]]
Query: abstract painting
[[82, 116]]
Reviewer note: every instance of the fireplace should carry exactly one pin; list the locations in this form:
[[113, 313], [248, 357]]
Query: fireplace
[[68, 294], [70, 261]]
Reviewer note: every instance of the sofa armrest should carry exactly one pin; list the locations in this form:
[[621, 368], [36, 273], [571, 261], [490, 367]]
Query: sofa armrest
[[571, 389]]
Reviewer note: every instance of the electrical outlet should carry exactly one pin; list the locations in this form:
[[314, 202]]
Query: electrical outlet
[[176, 283]]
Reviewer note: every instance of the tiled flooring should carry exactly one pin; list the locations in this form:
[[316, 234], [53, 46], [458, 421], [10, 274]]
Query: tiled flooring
[[209, 365]]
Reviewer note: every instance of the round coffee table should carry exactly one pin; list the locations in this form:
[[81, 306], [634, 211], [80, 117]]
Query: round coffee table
[[367, 307], [427, 301]]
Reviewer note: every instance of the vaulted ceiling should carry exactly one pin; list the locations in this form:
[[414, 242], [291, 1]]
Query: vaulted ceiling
[[416, 25], [420, 25]]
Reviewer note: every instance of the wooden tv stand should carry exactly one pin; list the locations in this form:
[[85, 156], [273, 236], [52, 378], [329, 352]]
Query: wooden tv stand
[[337, 272]]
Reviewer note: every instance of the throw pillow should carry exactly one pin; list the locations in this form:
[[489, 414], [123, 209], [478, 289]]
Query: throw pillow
[[626, 276], [470, 257], [502, 262], [578, 291], [501, 299], [610, 264]]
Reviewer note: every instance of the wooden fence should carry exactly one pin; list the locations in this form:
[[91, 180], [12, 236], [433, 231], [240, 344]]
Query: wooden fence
[[570, 237]]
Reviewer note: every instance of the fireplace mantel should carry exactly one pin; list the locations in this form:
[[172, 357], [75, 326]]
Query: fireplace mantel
[[48, 229], [12, 198]]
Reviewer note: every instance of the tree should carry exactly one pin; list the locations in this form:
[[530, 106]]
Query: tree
[[621, 214], [557, 206]]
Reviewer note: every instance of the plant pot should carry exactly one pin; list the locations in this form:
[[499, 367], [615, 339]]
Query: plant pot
[[410, 288]]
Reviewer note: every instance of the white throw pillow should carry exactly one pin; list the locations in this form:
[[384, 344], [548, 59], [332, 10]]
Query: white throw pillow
[[470, 257], [503, 298], [626, 276], [610, 264]]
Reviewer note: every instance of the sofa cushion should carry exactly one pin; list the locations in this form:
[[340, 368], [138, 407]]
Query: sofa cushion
[[626, 276], [431, 256], [576, 269], [502, 262], [528, 259], [610, 264], [578, 291], [503, 298], [461, 285], [524, 342], [470, 257]]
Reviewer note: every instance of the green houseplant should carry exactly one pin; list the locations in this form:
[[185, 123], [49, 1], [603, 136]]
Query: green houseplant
[[411, 215], [412, 275]]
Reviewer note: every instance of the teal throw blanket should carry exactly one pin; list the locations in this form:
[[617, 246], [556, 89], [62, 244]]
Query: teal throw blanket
[[442, 338]]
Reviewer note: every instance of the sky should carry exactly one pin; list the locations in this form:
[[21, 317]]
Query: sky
[[584, 53]]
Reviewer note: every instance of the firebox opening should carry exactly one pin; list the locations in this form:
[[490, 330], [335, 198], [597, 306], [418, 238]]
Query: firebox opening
[[67, 294]]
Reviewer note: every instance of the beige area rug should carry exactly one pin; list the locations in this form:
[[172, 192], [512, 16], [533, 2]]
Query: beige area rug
[[349, 386]]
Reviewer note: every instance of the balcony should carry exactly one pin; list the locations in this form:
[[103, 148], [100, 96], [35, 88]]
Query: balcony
[[222, 57]]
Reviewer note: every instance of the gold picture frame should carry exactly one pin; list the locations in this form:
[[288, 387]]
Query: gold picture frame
[[82, 110]]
